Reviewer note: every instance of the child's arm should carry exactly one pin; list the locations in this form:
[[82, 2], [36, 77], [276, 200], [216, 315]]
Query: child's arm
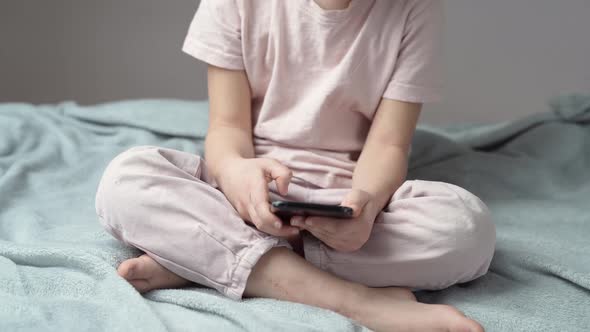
[[380, 170], [229, 135], [383, 163], [382, 166], [229, 153]]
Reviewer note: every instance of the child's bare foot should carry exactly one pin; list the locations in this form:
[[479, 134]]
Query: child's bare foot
[[145, 274], [389, 309]]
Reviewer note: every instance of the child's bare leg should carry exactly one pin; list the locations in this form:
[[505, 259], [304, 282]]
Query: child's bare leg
[[145, 274], [282, 274]]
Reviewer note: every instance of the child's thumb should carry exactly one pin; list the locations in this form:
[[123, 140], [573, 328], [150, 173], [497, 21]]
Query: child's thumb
[[356, 200]]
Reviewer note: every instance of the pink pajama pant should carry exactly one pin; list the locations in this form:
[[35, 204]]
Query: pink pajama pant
[[161, 201]]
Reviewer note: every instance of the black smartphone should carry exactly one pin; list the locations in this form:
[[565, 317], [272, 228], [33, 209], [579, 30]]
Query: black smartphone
[[285, 209]]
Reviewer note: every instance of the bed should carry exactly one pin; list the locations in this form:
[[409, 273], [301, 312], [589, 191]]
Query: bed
[[58, 267]]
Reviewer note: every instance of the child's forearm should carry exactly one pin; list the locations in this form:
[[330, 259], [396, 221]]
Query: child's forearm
[[380, 170], [230, 124], [383, 164], [226, 143]]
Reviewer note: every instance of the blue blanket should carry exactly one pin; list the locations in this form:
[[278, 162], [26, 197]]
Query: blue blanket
[[57, 266]]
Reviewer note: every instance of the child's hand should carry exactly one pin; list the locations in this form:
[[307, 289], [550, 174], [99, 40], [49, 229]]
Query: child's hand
[[343, 234], [245, 184]]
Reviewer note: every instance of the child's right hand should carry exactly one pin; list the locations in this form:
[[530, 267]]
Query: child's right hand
[[245, 184]]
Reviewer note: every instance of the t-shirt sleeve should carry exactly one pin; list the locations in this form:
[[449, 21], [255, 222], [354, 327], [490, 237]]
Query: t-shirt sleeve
[[214, 35], [417, 74]]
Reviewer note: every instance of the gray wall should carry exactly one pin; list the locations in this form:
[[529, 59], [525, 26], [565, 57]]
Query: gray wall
[[96, 50], [505, 58]]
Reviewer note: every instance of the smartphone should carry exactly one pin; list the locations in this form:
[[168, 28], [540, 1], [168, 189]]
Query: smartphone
[[286, 209]]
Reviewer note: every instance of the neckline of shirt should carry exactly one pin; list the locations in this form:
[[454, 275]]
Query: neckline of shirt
[[331, 15]]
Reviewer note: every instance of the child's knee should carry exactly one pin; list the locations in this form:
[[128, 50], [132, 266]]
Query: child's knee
[[462, 237], [119, 188], [473, 242]]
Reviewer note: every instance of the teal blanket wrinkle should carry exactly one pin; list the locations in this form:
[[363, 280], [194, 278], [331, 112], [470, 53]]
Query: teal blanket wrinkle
[[57, 266]]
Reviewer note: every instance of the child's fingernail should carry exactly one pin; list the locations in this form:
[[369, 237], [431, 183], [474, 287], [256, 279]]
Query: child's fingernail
[[277, 224], [309, 223]]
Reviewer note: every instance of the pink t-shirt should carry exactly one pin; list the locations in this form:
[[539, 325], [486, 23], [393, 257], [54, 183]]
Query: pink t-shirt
[[317, 76]]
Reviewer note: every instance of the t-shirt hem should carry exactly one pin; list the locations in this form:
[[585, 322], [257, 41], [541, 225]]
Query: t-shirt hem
[[411, 93], [211, 56]]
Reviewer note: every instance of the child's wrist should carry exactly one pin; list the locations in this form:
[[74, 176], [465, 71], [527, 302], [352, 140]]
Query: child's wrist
[[220, 166]]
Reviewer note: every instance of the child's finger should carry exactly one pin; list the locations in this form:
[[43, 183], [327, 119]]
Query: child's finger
[[320, 235], [259, 200], [254, 218], [283, 183], [268, 218], [280, 173], [298, 221], [271, 224], [326, 225]]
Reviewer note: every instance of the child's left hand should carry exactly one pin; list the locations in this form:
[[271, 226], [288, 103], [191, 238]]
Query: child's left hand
[[344, 235]]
